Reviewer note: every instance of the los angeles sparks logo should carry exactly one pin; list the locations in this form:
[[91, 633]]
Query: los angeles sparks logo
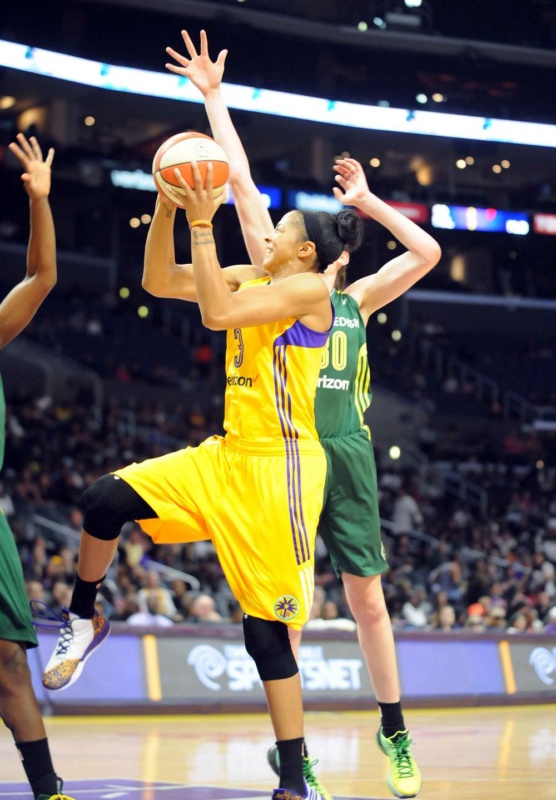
[[286, 607]]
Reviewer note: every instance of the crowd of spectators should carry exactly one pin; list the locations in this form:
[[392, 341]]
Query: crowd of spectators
[[451, 566], [454, 563]]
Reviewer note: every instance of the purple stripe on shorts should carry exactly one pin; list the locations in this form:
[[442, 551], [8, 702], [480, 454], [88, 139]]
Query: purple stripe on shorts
[[279, 391]]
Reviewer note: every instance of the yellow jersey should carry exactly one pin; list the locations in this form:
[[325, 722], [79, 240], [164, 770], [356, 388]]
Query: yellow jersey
[[272, 372]]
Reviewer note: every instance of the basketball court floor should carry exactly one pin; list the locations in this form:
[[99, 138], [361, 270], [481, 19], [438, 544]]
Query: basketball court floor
[[464, 754]]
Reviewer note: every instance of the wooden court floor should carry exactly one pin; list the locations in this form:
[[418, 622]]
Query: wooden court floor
[[464, 754]]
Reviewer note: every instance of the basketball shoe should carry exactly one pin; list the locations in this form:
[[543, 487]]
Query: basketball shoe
[[289, 794], [54, 797], [78, 639], [311, 779], [404, 776]]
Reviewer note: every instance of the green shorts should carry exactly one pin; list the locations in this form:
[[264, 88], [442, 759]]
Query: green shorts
[[16, 624], [350, 522]]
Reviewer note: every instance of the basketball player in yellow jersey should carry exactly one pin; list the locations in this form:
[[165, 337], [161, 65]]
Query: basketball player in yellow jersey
[[350, 520], [257, 492]]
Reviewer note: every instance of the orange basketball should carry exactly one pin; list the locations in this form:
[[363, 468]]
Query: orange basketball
[[179, 151]]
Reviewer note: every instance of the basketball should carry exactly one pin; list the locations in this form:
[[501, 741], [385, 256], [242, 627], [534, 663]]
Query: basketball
[[179, 151]]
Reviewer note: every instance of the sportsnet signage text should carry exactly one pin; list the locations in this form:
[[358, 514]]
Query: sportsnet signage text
[[224, 670]]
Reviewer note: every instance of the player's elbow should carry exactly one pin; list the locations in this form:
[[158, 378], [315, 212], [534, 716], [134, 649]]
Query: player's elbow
[[213, 322], [150, 286], [44, 282], [431, 255], [434, 254], [49, 284]]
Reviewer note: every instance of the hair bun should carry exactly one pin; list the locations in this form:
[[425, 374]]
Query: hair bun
[[350, 229]]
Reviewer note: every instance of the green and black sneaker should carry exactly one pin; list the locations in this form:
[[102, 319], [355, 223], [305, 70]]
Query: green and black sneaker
[[404, 776]]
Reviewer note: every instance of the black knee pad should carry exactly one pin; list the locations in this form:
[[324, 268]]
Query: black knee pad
[[268, 644], [108, 504]]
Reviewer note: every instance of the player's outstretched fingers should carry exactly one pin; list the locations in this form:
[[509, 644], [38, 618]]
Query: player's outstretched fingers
[[186, 188], [185, 62], [18, 152], [25, 146], [199, 188], [210, 179]]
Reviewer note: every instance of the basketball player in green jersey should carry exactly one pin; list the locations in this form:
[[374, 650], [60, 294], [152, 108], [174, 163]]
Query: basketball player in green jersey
[[18, 705], [350, 524]]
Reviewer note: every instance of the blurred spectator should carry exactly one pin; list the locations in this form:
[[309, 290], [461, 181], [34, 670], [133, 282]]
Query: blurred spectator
[[160, 596], [417, 609], [6, 502], [61, 595], [447, 620], [475, 623], [447, 578], [203, 610], [550, 626], [496, 619], [407, 515], [150, 616], [35, 591]]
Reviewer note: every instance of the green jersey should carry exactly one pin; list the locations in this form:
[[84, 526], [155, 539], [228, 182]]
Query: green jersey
[[343, 391], [16, 624], [2, 423]]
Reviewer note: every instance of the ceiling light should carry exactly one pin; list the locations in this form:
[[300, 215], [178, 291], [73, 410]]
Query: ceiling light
[[6, 102], [421, 98], [497, 168], [461, 163], [88, 121], [505, 163], [438, 97], [362, 26], [375, 162], [470, 160]]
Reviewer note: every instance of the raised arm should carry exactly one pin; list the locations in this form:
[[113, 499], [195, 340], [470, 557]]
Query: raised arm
[[304, 296], [20, 305], [401, 273], [206, 75], [162, 277]]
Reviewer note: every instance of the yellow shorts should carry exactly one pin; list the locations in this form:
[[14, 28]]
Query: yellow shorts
[[259, 506]]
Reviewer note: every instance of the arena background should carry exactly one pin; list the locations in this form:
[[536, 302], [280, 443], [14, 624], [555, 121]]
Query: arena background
[[463, 367]]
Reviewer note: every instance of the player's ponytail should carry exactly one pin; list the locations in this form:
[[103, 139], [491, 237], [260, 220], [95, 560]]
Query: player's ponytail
[[350, 229], [332, 234]]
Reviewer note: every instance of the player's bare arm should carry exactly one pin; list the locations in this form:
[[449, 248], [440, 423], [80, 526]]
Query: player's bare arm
[[402, 272], [162, 277], [20, 305], [206, 75]]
